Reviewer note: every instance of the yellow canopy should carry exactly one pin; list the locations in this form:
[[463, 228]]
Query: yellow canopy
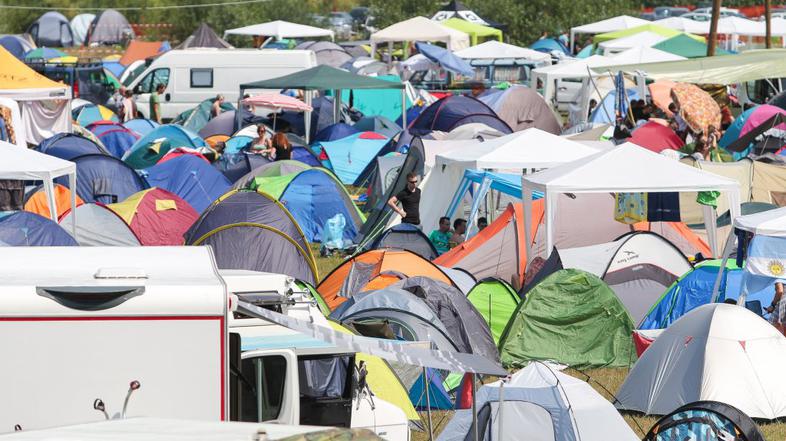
[[17, 75], [474, 30]]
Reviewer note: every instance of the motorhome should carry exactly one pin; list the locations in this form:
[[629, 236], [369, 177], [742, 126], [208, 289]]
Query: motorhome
[[194, 75], [104, 333]]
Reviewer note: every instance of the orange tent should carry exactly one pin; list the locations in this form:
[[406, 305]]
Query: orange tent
[[37, 203], [140, 50], [375, 269]]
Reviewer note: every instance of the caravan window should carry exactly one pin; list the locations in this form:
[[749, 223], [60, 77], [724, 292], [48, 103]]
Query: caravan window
[[153, 79], [202, 77], [263, 388]]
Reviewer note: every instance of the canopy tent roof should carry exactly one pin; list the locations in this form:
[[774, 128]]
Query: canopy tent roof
[[474, 30], [643, 55], [609, 25], [684, 24], [645, 38], [421, 29], [20, 82], [457, 9], [747, 66], [740, 26], [649, 27], [493, 49], [766, 223], [687, 47], [280, 30], [323, 78], [573, 69]]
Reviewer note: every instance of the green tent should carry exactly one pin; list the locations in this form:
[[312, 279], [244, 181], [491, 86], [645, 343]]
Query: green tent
[[685, 46], [496, 301], [474, 30], [197, 117], [571, 317], [322, 78], [655, 29]]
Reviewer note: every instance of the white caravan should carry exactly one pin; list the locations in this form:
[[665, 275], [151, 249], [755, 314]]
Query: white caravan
[[194, 75], [96, 333]]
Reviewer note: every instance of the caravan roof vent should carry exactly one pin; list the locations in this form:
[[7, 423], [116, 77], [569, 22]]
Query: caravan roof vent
[[120, 273]]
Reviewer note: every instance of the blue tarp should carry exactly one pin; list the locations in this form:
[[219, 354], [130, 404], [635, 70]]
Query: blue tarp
[[68, 146], [604, 112], [438, 398], [349, 156], [24, 229], [141, 126], [453, 111], [104, 179], [445, 58], [115, 137], [191, 178]]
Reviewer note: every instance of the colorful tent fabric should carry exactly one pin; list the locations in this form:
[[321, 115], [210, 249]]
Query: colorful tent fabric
[[573, 318], [349, 156], [25, 229], [377, 102], [697, 107], [44, 53], [68, 146], [496, 301], [105, 179], [114, 136], [196, 119], [453, 111], [16, 45], [656, 137], [335, 132], [549, 45], [91, 113], [275, 168], [732, 133], [36, 201], [204, 36], [759, 116], [697, 420], [406, 237], [52, 29], [378, 124], [650, 27], [477, 32], [99, 226], [150, 148], [141, 126], [686, 46], [191, 178], [156, 216], [313, 196]]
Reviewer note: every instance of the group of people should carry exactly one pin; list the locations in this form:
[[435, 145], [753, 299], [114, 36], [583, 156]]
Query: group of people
[[277, 147]]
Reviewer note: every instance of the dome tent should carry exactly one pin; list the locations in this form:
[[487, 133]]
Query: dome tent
[[69, 146], [114, 136], [695, 420], [53, 30], [80, 24], [151, 147], [21, 228], [99, 226], [105, 179], [191, 178], [453, 111], [496, 301], [156, 216], [406, 237], [109, 27], [36, 200]]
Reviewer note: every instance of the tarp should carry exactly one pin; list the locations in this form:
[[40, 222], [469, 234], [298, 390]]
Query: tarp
[[25, 229], [573, 318], [109, 27], [475, 31], [52, 29], [156, 216], [420, 29], [280, 29], [204, 36], [445, 59], [496, 301], [493, 49], [191, 178]]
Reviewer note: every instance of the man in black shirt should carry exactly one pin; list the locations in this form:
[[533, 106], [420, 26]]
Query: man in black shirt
[[409, 198]]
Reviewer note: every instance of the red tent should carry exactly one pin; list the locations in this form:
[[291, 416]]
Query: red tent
[[656, 137], [156, 216]]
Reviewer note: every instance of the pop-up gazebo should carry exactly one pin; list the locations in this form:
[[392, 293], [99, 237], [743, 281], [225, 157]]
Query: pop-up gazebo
[[627, 168], [280, 29], [607, 25]]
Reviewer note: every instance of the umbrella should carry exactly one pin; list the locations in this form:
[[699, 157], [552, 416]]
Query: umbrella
[[279, 102], [45, 53], [661, 95], [697, 107], [446, 59]]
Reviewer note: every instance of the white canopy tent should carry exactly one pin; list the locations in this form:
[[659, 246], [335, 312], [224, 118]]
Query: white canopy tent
[[685, 25], [576, 68], [528, 149], [644, 54], [30, 165], [607, 25], [420, 29], [642, 39], [494, 49], [281, 29], [625, 169]]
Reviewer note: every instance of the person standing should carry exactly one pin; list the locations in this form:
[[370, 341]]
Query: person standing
[[409, 198], [778, 308], [129, 106], [155, 103], [459, 228], [441, 238]]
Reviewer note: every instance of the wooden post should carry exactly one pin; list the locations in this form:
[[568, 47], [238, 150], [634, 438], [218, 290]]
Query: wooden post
[[768, 25], [716, 6]]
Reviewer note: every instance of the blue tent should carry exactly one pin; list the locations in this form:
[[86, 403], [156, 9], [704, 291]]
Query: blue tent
[[68, 146], [236, 143], [334, 132], [104, 179], [349, 156], [454, 111], [733, 132], [191, 178], [438, 398], [15, 46], [604, 112], [235, 166], [548, 45], [24, 229], [586, 52], [141, 126], [115, 137], [305, 155], [115, 67], [148, 149], [321, 117], [445, 58], [379, 124]]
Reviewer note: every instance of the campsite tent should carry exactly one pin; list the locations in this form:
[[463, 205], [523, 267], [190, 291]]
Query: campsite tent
[[705, 354], [97, 225], [349, 156], [420, 29], [656, 137], [52, 29], [280, 29], [90, 113], [453, 111], [541, 400], [109, 27], [68, 146], [335, 132], [496, 301], [36, 201], [493, 49], [685, 46], [638, 267], [697, 420], [156, 216], [405, 237], [275, 168], [521, 108], [191, 178], [141, 126], [477, 32], [197, 118], [327, 52], [643, 55], [313, 196], [573, 318], [17, 45], [153, 146], [204, 36], [105, 179], [607, 25], [80, 25], [114, 136], [25, 229]]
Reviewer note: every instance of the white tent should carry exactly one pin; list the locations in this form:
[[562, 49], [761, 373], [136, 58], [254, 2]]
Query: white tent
[[607, 25], [494, 49], [281, 29], [528, 149], [733, 25], [30, 165], [577, 68], [645, 39], [420, 29], [545, 404], [626, 168], [644, 54], [684, 24], [716, 352]]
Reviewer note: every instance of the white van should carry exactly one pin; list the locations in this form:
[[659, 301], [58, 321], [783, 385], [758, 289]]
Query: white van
[[106, 333], [194, 75]]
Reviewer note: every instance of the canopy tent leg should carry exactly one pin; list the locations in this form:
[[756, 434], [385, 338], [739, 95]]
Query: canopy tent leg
[[49, 189], [474, 409], [336, 105], [72, 184], [307, 116], [527, 205], [404, 108]]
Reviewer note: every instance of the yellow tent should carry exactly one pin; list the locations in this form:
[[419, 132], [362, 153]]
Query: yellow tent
[[474, 30], [382, 381], [16, 76]]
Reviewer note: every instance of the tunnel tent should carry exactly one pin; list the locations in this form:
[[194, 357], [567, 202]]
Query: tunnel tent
[[496, 301], [98, 226], [406, 237], [25, 229], [69, 146], [573, 318]]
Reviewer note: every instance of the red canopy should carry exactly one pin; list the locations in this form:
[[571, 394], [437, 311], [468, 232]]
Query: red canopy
[[656, 137]]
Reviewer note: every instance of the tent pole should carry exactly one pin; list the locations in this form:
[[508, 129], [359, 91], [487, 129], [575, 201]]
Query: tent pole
[[722, 269], [72, 183], [474, 410], [404, 108], [428, 406], [307, 116], [501, 407], [527, 205], [49, 189], [336, 105]]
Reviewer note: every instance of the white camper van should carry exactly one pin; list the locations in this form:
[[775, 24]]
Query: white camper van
[[105, 333], [194, 75]]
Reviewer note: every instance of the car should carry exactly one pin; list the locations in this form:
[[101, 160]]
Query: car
[[724, 12], [698, 16], [648, 16], [775, 13], [669, 11], [88, 80]]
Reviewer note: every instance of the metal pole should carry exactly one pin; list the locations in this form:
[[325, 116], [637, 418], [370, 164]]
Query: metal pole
[[474, 410], [501, 407], [404, 108], [428, 406], [713, 38]]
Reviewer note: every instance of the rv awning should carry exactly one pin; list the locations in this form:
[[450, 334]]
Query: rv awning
[[281, 29]]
